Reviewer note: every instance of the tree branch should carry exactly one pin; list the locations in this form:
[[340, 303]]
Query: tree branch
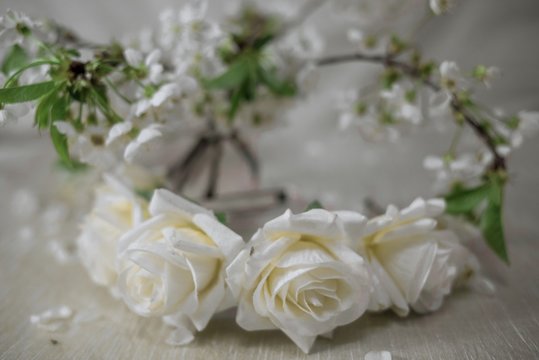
[[412, 71]]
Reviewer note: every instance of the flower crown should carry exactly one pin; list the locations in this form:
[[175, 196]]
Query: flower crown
[[304, 273], [105, 105]]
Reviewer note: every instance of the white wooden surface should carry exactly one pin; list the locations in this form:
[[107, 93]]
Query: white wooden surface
[[469, 326]]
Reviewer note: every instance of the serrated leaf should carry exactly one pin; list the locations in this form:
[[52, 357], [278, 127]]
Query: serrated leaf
[[14, 60], [465, 201], [221, 216], [26, 93], [314, 205], [491, 223]]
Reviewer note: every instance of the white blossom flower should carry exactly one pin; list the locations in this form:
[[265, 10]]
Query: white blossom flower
[[441, 6], [11, 113], [465, 169], [297, 274], [116, 210], [527, 125], [439, 107], [367, 43], [146, 135], [89, 146], [15, 19], [353, 112], [188, 26], [487, 74], [14, 26], [150, 64], [402, 105], [304, 43], [118, 130], [158, 99], [413, 264], [173, 264], [451, 75]]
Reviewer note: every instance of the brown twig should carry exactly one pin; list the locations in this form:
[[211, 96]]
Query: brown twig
[[245, 151], [213, 177]]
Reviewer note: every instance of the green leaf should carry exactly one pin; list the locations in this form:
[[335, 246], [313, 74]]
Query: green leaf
[[59, 141], [26, 92], [15, 76], [221, 216], [314, 205], [277, 87], [99, 96], [492, 222], [235, 101], [262, 41], [464, 201], [236, 74], [14, 60], [74, 167], [51, 107], [252, 79]]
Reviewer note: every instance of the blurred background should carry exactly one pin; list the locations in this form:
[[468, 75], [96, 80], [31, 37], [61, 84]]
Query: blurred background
[[499, 33]]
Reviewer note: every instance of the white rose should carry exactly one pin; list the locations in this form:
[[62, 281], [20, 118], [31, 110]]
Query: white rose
[[413, 263], [116, 209], [297, 274], [173, 264]]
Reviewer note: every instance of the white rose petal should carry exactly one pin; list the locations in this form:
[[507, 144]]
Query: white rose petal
[[55, 319]]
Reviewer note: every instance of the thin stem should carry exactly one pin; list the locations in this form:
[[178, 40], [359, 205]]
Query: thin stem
[[455, 140], [413, 72], [213, 177], [117, 92], [181, 172], [247, 154]]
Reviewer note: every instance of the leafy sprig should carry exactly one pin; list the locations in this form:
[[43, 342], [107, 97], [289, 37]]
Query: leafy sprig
[[248, 69]]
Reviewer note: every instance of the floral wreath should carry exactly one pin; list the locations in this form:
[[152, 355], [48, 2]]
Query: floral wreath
[[304, 273]]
